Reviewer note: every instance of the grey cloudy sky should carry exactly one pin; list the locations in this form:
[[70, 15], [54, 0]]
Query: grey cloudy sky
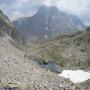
[[19, 8]]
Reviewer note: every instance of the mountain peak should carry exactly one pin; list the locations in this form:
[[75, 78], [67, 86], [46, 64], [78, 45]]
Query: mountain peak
[[48, 21], [48, 8], [44, 6]]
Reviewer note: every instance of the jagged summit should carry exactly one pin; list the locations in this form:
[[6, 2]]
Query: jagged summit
[[48, 21]]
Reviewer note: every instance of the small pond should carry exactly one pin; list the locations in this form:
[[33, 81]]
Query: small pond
[[53, 67]]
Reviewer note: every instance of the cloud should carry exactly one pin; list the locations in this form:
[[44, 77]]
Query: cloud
[[22, 1], [50, 2], [3, 7], [16, 14], [47, 2], [76, 7], [31, 13], [27, 7]]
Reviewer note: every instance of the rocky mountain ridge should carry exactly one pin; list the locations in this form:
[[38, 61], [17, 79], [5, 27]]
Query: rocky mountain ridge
[[48, 22]]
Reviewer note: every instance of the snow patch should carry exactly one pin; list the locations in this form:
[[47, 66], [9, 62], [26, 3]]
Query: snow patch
[[46, 36], [76, 76]]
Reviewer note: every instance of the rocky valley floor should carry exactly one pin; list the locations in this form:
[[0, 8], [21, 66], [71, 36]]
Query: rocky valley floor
[[16, 70]]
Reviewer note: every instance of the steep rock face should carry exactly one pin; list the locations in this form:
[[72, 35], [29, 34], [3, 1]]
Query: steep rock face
[[6, 27], [48, 22]]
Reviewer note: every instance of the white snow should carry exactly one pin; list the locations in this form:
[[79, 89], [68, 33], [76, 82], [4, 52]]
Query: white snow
[[76, 76], [46, 36]]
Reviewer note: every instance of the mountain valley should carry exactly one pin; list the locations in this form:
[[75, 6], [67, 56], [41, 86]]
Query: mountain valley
[[55, 42]]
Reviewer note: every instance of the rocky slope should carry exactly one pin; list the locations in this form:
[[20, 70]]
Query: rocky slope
[[16, 71], [48, 22], [6, 27]]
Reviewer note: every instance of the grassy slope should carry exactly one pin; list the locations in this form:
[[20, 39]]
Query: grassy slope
[[70, 51]]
